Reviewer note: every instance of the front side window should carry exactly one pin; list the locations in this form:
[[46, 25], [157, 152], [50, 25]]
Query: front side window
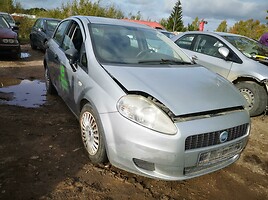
[[131, 45], [60, 32], [185, 41], [208, 45], [73, 38]]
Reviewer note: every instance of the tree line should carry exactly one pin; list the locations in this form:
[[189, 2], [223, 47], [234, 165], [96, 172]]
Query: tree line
[[250, 28]]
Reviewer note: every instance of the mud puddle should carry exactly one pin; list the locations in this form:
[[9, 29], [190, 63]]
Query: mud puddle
[[24, 93]]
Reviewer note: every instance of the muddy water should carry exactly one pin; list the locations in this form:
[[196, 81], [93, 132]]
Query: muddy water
[[25, 93]]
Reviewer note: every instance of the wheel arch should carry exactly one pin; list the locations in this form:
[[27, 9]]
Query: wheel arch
[[249, 78], [252, 79], [82, 103], [262, 84]]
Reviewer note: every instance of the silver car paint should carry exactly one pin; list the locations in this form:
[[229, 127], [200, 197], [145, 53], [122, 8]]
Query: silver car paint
[[170, 87], [125, 139], [228, 69]]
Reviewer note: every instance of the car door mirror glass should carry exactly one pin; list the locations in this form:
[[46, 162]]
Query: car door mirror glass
[[224, 52]]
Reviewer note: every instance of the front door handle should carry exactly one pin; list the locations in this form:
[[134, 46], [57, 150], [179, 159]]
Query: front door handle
[[56, 57], [194, 57]]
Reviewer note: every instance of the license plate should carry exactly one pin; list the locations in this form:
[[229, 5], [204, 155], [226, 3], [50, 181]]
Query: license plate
[[211, 157]]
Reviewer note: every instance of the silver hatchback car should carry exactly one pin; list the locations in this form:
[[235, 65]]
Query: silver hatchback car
[[241, 60], [141, 102]]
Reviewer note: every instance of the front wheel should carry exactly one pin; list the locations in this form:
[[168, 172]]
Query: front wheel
[[255, 95], [33, 46], [92, 135]]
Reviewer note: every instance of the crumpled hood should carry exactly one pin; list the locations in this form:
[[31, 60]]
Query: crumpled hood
[[7, 33], [183, 89]]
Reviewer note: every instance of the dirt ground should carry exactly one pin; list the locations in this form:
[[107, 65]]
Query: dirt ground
[[42, 156]]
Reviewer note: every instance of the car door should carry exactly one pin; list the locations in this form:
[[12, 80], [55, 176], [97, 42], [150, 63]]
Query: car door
[[56, 58], [204, 50], [35, 34], [74, 70], [66, 70], [40, 34]]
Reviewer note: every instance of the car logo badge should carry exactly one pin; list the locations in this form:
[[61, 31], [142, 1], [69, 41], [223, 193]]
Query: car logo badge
[[223, 136]]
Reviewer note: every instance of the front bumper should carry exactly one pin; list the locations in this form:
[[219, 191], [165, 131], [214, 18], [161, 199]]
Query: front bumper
[[7, 49], [145, 152]]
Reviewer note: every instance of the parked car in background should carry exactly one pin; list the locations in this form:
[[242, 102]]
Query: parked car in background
[[11, 21], [42, 30], [167, 33], [154, 25], [241, 60], [153, 113], [9, 43]]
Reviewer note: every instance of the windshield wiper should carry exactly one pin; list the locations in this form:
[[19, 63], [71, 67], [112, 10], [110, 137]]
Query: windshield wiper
[[177, 62], [166, 61]]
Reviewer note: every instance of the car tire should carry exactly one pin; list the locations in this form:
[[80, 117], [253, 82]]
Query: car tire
[[255, 95], [33, 46], [92, 135], [49, 85]]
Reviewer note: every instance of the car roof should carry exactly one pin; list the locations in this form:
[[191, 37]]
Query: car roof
[[47, 18], [212, 33], [112, 21]]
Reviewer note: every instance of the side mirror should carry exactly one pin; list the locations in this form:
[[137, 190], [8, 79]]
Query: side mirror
[[15, 28], [41, 30], [17, 23], [72, 55], [224, 52]]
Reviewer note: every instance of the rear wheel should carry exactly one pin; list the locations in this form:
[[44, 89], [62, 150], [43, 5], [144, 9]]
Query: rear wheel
[[49, 86], [92, 135], [255, 95]]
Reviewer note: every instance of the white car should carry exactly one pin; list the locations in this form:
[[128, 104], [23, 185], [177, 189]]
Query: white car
[[241, 60], [142, 104]]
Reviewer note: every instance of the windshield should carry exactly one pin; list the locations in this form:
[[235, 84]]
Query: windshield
[[129, 45], [51, 24], [247, 46], [9, 18], [3, 23]]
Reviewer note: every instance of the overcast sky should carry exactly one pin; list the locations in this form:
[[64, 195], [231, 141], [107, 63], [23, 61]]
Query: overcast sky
[[213, 11]]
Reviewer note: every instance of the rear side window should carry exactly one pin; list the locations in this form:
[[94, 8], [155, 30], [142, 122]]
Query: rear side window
[[185, 42], [60, 32]]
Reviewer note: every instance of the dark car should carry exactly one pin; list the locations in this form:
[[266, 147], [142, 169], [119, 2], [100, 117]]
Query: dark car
[[41, 31], [11, 21], [9, 43]]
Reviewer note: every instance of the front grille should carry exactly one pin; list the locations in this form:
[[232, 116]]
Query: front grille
[[212, 138]]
